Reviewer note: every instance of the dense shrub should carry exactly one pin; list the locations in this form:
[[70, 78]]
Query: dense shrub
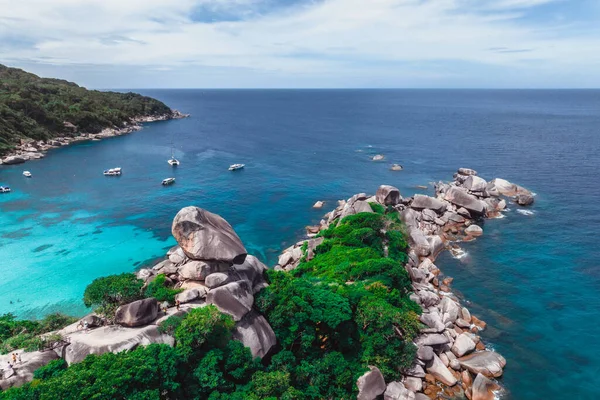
[[50, 370], [158, 289], [107, 293], [17, 334]]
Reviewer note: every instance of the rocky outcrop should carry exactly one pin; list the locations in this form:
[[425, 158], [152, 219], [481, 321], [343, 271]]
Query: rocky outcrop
[[448, 347], [113, 339], [190, 295], [206, 236], [255, 332], [234, 298], [371, 384], [22, 372], [397, 391], [199, 270], [483, 388], [421, 202], [355, 204], [10, 160], [252, 271], [215, 280], [524, 199], [463, 199], [388, 195], [488, 363], [138, 313], [440, 372]]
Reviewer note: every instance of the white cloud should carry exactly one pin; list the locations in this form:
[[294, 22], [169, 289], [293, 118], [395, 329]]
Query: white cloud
[[321, 38]]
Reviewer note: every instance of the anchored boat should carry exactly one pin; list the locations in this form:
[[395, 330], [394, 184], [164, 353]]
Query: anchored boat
[[112, 172], [27, 174], [168, 181], [235, 167], [4, 189], [173, 161]]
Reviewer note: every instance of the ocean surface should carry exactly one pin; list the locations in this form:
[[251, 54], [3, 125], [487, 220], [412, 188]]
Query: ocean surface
[[534, 278]]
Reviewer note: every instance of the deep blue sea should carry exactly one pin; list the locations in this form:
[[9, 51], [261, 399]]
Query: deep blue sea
[[534, 278]]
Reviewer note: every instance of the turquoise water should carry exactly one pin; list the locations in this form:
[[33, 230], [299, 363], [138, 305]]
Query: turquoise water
[[533, 278]]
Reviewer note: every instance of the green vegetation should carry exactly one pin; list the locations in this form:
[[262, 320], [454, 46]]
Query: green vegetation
[[334, 315], [17, 334], [160, 290], [108, 293], [38, 108], [345, 309]]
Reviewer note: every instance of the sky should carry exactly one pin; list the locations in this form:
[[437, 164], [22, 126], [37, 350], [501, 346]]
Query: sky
[[306, 43]]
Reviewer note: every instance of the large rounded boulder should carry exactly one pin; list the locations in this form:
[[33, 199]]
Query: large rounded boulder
[[388, 195], [206, 236], [137, 313]]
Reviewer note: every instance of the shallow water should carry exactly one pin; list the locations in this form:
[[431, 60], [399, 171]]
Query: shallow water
[[533, 278]]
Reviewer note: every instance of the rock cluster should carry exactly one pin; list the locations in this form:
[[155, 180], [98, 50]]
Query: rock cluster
[[30, 149], [451, 358], [211, 265]]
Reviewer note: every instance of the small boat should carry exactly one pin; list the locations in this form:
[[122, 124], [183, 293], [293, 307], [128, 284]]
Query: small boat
[[112, 172], [235, 167], [4, 189], [173, 161], [168, 181], [27, 174]]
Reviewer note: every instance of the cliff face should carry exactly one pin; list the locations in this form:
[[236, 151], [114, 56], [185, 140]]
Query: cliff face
[[34, 108]]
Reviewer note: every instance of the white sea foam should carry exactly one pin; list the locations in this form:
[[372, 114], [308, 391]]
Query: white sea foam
[[525, 212], [458, 253]]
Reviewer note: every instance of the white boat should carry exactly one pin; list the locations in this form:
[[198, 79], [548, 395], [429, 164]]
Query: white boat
[[173, 161], [27, 174], [235, 167], [168, 181], [112, 172], [4, 189]]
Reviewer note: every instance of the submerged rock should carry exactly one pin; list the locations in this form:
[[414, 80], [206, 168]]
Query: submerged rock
[[206, 236], [524, 199], [370, 385]]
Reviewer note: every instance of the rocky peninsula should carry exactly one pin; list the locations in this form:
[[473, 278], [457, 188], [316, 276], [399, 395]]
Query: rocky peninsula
[[383, 248]]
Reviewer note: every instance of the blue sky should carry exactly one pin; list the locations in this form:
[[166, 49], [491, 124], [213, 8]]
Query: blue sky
[[306, 43]]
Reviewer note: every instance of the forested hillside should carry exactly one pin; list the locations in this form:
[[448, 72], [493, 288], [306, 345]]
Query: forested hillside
[[42, 108]]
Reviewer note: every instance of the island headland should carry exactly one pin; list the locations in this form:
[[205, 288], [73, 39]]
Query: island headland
[[39, 114], [358, 309]]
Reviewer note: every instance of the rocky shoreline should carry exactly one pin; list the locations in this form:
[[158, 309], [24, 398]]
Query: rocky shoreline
[[452, 360], [210, 266], [30, 149]]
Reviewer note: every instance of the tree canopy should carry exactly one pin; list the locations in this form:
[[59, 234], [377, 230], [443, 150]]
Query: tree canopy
[[38, 108]]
